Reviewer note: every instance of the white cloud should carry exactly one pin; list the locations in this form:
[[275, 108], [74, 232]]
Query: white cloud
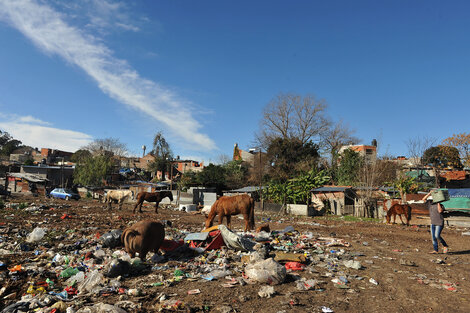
[[32, 132], [32, 120], [49, 31]]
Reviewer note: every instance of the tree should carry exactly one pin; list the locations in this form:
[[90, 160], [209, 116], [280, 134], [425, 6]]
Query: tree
[[335, 137], [93, 171], [290, 116], [442, 157], [162, 155], [290, 156], [416, 147], [80, 156], [236, 173], [8, 143], [296, 190], [111, 145], [212, 176], [350, 162], [462, 143]]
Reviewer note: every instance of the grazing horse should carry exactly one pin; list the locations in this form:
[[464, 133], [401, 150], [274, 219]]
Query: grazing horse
[[227, 206], [152, 197], [399, 209], [118, 195]]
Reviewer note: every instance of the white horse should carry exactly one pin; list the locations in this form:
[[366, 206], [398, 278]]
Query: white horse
[[118, 195]]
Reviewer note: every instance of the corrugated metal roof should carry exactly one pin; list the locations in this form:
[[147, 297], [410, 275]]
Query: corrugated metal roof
[[248, 189], [331, 189]]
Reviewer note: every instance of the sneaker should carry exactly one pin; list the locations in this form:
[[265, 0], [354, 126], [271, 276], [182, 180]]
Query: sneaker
[[433, 252], [445, 249]]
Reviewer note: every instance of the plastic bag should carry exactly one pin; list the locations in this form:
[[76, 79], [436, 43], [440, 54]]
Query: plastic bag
[[266, 271], [91, 281], [36, 235], [111, 239]]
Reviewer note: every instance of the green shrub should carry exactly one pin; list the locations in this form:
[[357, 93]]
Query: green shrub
[[23, 205], [88, 194]]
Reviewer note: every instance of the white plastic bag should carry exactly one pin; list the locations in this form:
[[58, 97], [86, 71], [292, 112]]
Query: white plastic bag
[[36, 235], [267, 271]]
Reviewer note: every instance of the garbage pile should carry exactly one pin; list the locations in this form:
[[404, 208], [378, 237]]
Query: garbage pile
[[76, 270]]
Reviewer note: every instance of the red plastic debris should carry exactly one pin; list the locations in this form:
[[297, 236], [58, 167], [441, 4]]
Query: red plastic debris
[[294, 266]]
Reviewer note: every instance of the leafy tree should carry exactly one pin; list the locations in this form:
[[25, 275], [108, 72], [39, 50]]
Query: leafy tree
[[93, 171], [296, 190], [80, 156], [462, 143], [442, 156], [350, 162], [29, 162], [8, 143], [236, 173], [405, 185], [212, 176], [290, 156], [110, 145], [162, 155]]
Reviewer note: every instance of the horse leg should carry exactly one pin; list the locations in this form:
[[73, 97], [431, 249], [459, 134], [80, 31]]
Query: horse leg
[[135, 207], [246, 217], [401, 219], [221, 218], [229, 221], [156, 207], [119, 205], [394, 218]]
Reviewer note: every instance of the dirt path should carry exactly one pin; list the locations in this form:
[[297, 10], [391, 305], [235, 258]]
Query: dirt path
[[396, 257]]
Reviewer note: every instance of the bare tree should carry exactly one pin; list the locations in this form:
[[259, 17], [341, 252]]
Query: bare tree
[[416, 147], [289, 116], [372, 176], [337, 136], [112, 145]]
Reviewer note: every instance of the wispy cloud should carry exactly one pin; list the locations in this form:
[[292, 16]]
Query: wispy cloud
[[49, 31], [34, 132]]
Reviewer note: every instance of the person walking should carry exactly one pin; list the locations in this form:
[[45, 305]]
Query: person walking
[[437, 224]]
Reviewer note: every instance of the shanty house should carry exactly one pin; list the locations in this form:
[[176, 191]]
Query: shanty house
[[339, 199]]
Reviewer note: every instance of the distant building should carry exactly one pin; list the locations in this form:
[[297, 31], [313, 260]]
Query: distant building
[[368, 152]]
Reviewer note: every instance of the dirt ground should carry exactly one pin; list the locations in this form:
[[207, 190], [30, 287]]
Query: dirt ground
[[409, 279]]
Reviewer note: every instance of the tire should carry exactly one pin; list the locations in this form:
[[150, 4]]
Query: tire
[[67, 198]]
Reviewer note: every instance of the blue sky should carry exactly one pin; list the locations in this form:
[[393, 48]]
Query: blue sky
[[202, 71]]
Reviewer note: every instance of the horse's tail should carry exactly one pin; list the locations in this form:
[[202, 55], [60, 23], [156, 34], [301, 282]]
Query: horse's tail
[[252, 213], [408, 215]]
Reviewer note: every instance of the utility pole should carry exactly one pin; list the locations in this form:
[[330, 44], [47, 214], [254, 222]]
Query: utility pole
[[261, 181]]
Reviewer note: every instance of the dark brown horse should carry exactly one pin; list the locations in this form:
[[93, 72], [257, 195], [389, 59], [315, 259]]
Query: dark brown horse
[[399, 209], [227, 206], [152, 197]]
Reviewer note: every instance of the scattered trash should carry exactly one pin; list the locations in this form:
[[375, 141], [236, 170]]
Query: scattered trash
[[353, 264], [266, 271], [266, 291], [36, 235], [373, 281]]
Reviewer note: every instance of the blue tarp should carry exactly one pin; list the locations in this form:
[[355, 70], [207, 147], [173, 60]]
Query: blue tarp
[[459, 193]]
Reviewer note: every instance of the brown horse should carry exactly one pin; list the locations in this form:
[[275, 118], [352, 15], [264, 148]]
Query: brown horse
[[399, 209], [227, 206], [152, 197]]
